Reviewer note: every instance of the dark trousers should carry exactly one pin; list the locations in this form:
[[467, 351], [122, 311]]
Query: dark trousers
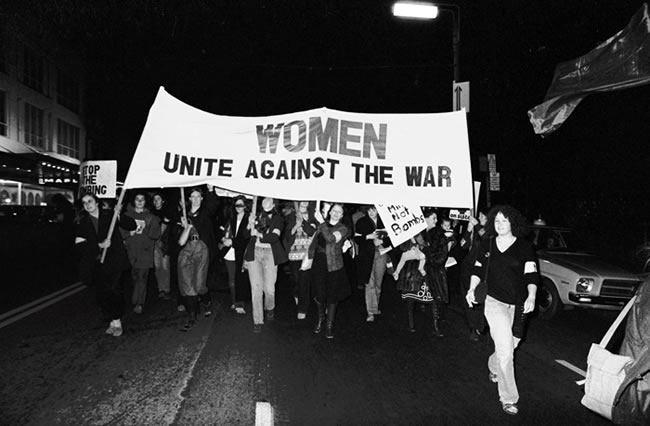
[[109, 287], [300, 283]]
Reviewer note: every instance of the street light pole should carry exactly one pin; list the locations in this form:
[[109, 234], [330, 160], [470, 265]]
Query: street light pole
[[423, 10]]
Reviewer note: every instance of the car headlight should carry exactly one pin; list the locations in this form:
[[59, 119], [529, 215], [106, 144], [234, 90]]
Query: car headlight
[[584, 285]]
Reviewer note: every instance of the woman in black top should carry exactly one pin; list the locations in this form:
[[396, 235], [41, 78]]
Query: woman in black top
[[512, 280], [91, 238]]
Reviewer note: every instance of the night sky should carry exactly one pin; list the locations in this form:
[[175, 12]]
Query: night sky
[[269, 57]]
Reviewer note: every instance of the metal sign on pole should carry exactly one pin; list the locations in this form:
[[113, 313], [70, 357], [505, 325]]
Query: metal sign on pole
[[460, 93]]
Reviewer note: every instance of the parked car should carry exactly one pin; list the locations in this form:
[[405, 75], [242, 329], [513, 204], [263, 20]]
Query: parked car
[[571, 277]]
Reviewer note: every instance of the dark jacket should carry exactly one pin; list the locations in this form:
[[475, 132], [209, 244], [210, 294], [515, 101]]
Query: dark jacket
[[89, 251], [269, 237], [333, 249], [140, 246], [202, 220], [366, 256]]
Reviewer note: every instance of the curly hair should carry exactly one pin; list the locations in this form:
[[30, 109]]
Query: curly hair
[[517, 221]]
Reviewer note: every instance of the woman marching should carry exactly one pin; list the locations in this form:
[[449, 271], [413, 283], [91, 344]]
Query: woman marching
[[429, 288], [512, 280], [236, 238], [298, 232], [263, 255], [91, 238], [197, 241], [328, 274]]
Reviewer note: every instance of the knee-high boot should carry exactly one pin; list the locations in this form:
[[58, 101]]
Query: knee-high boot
[[410, 307], [321, 317], [331, 313], [435, 310]]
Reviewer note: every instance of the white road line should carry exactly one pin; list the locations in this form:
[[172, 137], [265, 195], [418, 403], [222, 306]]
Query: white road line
[[36, 302], [263, 414], [43, 305], [573, 368]]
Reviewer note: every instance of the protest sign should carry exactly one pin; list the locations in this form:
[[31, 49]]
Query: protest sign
[[333, 155], [401, 222], [99, 178], [460, 214]]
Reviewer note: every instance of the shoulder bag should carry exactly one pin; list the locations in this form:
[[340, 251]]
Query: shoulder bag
[[605, 371]]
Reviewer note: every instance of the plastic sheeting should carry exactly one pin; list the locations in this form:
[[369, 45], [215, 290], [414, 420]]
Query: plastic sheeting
[[621, 62]]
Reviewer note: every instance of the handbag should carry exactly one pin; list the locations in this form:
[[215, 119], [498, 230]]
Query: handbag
[[480, 291], [605, 371]]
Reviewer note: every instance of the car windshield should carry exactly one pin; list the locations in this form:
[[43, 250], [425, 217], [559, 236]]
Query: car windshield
[[556, 239]]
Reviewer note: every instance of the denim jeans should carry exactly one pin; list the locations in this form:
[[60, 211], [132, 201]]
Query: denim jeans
[[262, 273], [500, 316], [161, 267], [373, 288]]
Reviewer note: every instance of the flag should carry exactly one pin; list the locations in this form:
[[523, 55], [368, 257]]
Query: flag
[[621, 62]]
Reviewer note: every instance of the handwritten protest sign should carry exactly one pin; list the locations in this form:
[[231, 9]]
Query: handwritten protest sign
[[401, 221], [99, 178], [460, 214]]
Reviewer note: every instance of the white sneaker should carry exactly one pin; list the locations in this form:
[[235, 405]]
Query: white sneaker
[[117, 331], [110, 329], [240, 310], [371, 318], [181, 308], [302, 315]]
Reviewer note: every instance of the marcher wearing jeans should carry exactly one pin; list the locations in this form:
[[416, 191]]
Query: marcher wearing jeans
[[512, 279], [371, 261], [263, 255]]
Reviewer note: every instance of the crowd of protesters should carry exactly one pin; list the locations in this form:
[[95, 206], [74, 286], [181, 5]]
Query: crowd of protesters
[[328, 252]]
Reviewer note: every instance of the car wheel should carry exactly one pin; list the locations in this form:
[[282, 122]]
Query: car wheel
[[548, 300]]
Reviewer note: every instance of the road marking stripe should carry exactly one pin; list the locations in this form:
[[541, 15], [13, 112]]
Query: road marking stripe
[[573, 368], [36, 302], [263, 414], [41, 306]]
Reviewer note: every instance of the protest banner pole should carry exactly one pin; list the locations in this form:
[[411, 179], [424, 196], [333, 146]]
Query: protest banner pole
[[183, 207], [251, 220], [318, 206], [118, 207]]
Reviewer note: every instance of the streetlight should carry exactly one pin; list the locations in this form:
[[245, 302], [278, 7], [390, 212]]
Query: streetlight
[[428, 11]]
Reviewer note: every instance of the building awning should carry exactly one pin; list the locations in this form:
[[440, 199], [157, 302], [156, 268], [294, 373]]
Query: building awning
[[15, 147]]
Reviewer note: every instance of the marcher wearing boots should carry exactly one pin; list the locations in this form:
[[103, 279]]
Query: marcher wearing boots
[[434, 246], [197, 240], [328, 274]]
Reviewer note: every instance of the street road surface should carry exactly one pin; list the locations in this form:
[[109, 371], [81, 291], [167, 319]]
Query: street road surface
[[57, 367]]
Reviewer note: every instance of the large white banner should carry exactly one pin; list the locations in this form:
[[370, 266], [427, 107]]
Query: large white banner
[[324, 154]]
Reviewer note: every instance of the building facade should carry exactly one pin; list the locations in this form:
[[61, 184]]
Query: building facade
[[42, 130]]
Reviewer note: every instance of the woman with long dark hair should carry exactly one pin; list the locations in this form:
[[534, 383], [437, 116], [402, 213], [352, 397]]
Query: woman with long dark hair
[[512, 280], [236, 238], [328, 276], [430, 288], [299, 229], [91, 238]]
